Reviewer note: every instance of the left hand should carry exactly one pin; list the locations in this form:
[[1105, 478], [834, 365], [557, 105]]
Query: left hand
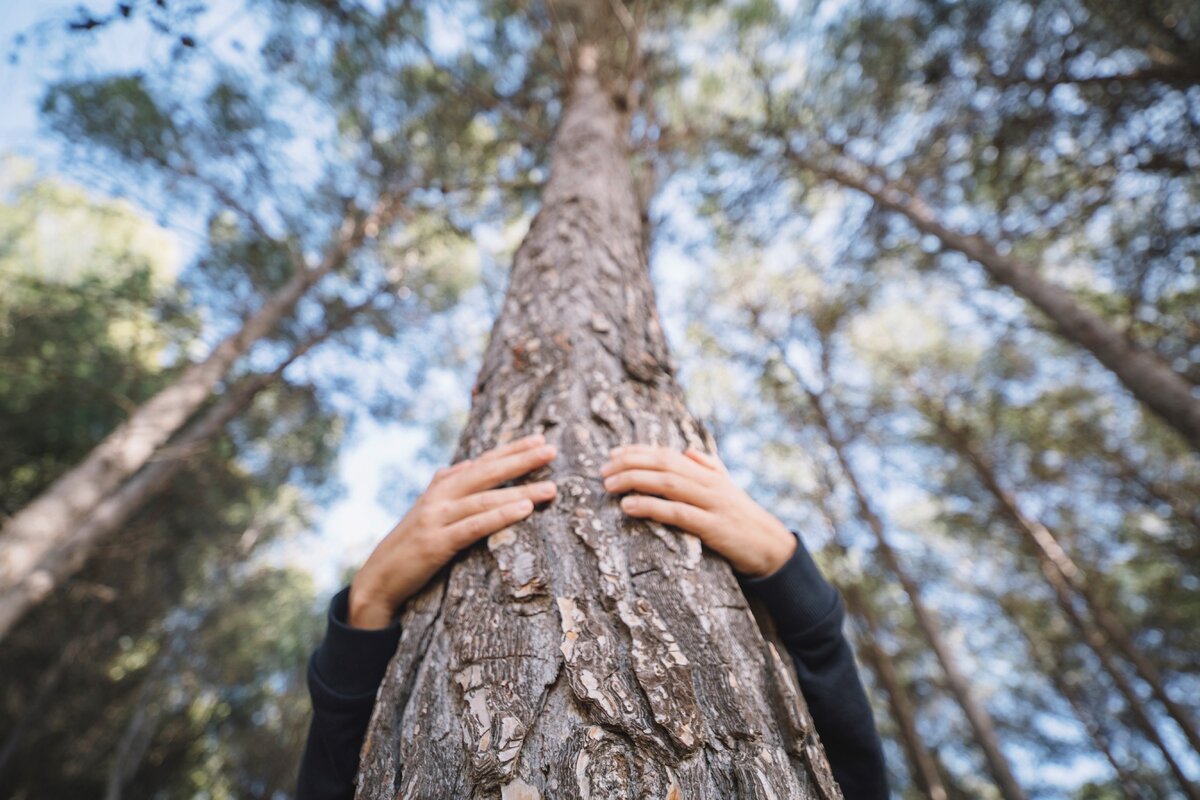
[[696, 493]]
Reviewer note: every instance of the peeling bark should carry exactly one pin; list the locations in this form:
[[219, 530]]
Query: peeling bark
[[584, 653]]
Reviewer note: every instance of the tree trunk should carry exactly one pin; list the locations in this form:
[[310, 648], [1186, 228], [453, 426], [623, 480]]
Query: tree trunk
[[922, 765], [119, 505], [48, 521], [1084, 711], [1164, 391], [585, 653], [1103, 629], [977, 716]]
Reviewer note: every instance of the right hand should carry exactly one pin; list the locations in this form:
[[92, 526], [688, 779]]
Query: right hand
[[458, 508]]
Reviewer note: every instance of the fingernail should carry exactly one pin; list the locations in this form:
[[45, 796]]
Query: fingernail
[[629, 503], [548, 450], [547, 487], [610, 483], [606, 467], [526, 505]]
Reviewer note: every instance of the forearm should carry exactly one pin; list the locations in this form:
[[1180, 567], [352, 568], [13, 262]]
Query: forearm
[[809, 616]]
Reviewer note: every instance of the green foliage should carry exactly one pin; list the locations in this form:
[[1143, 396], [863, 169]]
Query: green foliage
[[119, 113], [91, 323], [86, 325]]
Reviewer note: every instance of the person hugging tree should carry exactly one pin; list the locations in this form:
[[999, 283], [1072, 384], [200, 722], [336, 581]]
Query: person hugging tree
[[691, 491]]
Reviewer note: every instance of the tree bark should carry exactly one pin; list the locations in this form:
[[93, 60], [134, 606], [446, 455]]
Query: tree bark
[[584, 653], [1164, 391], [116, 508], [47, 523]]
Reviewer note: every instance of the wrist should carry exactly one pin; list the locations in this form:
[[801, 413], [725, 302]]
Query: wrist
[[779, 545], [366, 607]]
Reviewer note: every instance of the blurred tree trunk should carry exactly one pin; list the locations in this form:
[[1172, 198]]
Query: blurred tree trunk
[[1162, 390], [1084, 711], [47, 523], [585, 654], [977, 716], [1103, 629], [922, 765], [121, 503]]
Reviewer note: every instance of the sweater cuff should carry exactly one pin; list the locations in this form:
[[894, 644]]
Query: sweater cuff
[[351, 661], [796, 594]]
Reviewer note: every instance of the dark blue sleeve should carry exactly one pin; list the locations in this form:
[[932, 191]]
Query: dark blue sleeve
[[344, 674], [808, 615]]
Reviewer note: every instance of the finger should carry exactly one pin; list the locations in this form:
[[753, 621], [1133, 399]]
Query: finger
[[473, 528], [485, 475], [639, 456], [515, 446], [669, 512], [485, 501], [524, 443], [710, 461], [442, 472], [670, 485]]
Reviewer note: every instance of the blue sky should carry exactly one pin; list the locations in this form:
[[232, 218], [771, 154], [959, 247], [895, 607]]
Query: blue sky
[[378, 464]]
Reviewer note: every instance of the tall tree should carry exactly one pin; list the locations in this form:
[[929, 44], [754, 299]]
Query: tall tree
[[1165, 392], [583, 654], [922, 764], [1062, 572], [124, 501], [47, 523], [274, 244], [977, 715]]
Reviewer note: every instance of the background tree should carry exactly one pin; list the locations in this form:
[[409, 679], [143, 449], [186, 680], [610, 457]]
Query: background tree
[[1060, 134]]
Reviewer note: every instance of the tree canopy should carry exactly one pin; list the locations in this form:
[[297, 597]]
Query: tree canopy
[[930, 270]]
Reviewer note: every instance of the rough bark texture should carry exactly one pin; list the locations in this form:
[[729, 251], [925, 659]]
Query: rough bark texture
[[583, 653], [1164, 391]]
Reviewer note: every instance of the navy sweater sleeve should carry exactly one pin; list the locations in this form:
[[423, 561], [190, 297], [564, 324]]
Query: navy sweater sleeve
[[808, 615], [345, 672]]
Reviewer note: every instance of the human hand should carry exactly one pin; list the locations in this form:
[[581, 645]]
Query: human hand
[[697, 494], [458, 508]]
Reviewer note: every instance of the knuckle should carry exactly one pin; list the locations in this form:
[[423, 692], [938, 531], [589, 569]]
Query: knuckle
[[426, 517]]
